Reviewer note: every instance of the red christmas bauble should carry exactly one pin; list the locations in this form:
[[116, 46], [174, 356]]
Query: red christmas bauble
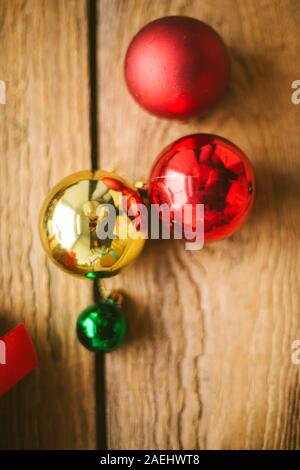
[[209, 170], [177, 67]]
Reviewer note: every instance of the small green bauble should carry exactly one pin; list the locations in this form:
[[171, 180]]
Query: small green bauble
[[101, 327]]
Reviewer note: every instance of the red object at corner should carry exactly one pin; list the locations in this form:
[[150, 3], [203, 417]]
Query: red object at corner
[[17, 357]]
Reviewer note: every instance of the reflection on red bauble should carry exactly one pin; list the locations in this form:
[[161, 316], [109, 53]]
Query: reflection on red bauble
[[177, 67], [205, 169]]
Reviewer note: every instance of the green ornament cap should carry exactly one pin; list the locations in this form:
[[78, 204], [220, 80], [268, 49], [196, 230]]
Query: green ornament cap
[[101, 327]]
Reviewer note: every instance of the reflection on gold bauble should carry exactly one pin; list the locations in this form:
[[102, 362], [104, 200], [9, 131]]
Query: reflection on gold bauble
[[70, 218]]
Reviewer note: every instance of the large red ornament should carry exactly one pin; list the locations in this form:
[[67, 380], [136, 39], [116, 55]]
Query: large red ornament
[[177, 67], [205, 169]]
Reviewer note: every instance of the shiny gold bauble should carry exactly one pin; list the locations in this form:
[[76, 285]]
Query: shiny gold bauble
[[70, 216]]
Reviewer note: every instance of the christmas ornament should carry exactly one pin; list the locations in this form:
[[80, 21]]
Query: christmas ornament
[[102, 326], [209, 170], [72, 214], [177, 67], [17, 357], [73, 211]]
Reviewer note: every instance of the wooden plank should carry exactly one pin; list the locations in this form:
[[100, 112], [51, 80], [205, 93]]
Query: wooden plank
[[44, 136], [208, 361]]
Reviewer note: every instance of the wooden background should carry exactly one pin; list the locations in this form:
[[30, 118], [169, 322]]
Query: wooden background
[[208, 360]]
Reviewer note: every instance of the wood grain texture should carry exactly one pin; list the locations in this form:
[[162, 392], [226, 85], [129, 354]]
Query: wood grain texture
[[208, 361], [44, 136]]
